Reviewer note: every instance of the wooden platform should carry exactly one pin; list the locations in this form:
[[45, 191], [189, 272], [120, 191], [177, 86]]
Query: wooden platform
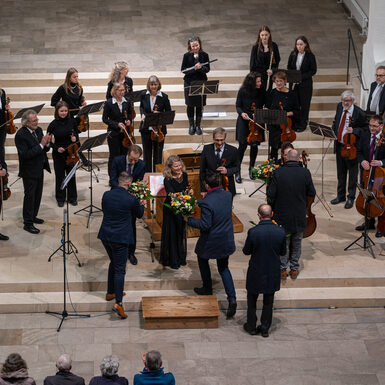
[[186, 312]]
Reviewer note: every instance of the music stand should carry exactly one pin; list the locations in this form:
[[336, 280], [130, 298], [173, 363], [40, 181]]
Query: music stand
[[202, 88], [88, 145], [67, 247], [20, 113], [368, 243], [134, 96]]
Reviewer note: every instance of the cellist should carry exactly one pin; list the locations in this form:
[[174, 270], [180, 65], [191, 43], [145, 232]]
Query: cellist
[[368, 156]]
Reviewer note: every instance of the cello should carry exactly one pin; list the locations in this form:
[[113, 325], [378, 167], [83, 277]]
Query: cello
[[255, 134], [287, 132], [9, 127], [349, 149]]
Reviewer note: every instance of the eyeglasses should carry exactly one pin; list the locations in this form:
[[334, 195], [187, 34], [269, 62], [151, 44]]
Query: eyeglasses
[[219, 140], [347, 100], [380, 75]]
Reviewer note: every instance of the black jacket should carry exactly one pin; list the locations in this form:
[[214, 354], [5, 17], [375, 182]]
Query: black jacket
[[382, 98], [73, 99], [363, 148], [119, 164], [308, 67], [189, 61], [112, 116], [260, 61], [128, 88], [2, 111], [64, 378]]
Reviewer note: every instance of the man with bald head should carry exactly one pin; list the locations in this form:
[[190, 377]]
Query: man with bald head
[[263, 274], [289, 189], [64, 375]]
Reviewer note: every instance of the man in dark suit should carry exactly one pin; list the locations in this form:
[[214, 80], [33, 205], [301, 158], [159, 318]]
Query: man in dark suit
[[32, 147], [136, 168], [116, 234], [349, 119], [376, 101], [64, 375], [219, 157], [3, 172], [216, 240], [289, 189], [371, 154], [263, 274]]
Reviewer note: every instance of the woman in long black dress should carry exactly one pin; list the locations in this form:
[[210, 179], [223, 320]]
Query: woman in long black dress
[[153, 149], [71, 92], [302, 59], [174, 238], [194, 58], [250, 94], [64, 129], [288, 99], [264, 57]]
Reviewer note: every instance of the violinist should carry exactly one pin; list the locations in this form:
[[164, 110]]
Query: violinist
[[3, 173], [349, 119], [119, 75], [117, 116], [195, 57], [370, 155], [250, 95], [153, 100], [280, 96], [71, 92], [4, 106], [264, 57], [64, 130]]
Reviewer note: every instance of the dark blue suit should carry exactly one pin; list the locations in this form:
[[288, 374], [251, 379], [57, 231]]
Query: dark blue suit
[[116, 234], [216, 240], [119, 164], [265, 242]]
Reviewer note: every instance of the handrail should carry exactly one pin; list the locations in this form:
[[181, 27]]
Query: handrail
[[351, 42]]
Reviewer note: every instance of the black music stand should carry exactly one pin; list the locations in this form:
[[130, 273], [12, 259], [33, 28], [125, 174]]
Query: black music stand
[[20, 113], [135, 96], [88, 145], [67, 247], [202, 88], [368, 243]]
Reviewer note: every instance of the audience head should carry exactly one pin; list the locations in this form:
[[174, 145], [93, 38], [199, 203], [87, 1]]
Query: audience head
[[173, 166], [293, 155], [265, 211], [219, 137], [119, 69], [13, 363], [29, 119], [153, 360], [109, 366], [347, 99], [194, 44], [64, 363], [134, 153], [212, 180], [280, 79], [380, 75], [124, 180], [375, 124]]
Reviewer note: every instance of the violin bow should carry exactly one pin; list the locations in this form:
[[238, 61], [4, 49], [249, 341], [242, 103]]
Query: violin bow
[[257, 124]]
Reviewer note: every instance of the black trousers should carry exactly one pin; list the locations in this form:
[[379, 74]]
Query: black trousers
[[3, 136], [345, 167], [267, 310], [116, 148], [132, 247], [198, 112], [152, 152], [61, 170], [33, 189], [253, 152], [304, 94]]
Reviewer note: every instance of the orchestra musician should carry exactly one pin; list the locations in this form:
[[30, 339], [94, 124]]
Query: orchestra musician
[[64, 130], [250, 95], [32, 147], [117, 116], [264, 57], [71, 92], [213, 157], [368, 157], [376, 101], [119, 75], [302, 59], [3, 173], [4, 106], [280, 95], [194, 58], [153, 100], [349, 119]]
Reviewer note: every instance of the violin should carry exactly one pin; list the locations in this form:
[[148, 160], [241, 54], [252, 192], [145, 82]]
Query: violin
[[84, 123], [255, 134], [5, 190], [157, 133], [128, 133], [225, 179], [72, 154], [287, 134], [349, 149], [9, 127]]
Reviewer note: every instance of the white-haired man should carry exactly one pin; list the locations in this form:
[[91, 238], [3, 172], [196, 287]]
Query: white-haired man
[[64, 375]]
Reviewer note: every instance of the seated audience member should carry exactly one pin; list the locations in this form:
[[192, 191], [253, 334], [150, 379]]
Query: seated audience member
[[109, 369], [64, 375], [153, 372], [15, 371]]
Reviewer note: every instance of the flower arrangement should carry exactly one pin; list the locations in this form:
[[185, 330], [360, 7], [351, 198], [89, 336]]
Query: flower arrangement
[[182, 203], [264, 171], [140, 190]]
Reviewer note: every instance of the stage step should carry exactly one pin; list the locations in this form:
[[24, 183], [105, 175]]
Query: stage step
[[180, 312]]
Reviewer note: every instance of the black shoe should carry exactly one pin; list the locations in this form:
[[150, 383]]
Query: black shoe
[[60, 204], [191, 130], [247, 329], [263, 333], [74, 202], [202, 291], [198, 130], [38, 221], [378, 234], [251, 176], [349, 203], [3, 237], [337, 200], [133, 259], [370, 225], [231, 310], [238, 178], [31, 229]]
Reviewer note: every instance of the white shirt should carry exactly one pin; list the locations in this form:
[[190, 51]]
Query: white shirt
[[120, 105], [349, 114], [220, 151], [299, 61], [152, 100]]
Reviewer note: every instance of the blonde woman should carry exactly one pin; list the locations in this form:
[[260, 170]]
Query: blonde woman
[[119, 75]]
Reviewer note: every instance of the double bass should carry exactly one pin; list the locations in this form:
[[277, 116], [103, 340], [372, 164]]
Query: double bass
[[287, 132]]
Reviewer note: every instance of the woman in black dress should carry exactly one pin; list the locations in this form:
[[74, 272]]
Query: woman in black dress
[[117, 115], [64, 130], [71, 92], [174, 238], [302, 59], [264, 57], [194, 58], [288, 99], [153, 100], [119, 75], [250, 95]]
